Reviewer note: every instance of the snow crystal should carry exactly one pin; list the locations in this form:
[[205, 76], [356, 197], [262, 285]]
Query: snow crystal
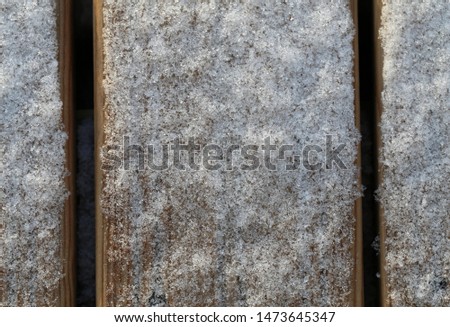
[[32, 154], [415, 133]]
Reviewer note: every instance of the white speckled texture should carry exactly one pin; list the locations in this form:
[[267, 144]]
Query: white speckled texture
[[416, 153], [31, 155], [229, 71]]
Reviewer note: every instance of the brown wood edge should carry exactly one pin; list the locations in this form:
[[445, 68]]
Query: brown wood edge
[[99, 100], [377, 9], [64, 30], [358, 277]]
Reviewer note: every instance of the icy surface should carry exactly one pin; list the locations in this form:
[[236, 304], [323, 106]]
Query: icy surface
[[32, 154], [223, 72], [416, 153]]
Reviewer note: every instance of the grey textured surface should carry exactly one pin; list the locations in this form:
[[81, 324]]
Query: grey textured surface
[[416, 153], [229, 72], [32, 154], [85, 213]]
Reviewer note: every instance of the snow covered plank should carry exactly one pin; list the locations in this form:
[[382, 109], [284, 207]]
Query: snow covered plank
[[413, 59], [36, 218], [226, 73]]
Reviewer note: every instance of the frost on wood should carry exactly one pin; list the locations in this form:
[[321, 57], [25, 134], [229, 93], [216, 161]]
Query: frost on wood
[[32, 155], [416, 152], [229, 72]]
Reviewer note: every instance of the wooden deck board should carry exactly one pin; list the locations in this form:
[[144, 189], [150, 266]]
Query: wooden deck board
[[105, 274], [414, 250], [39, 260]]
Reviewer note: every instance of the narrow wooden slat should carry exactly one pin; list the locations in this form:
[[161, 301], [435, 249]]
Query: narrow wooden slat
[[98, 140]]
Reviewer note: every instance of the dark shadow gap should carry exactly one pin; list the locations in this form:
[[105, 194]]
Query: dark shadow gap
[[369, 153], [84, 104]]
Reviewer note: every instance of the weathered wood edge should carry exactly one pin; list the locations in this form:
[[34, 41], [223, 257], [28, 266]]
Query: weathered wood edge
[[99, 139], [64, 29], [358, 278]]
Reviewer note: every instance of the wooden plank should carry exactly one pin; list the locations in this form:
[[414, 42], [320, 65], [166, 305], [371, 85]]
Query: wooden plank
[[115, 279], [411, 102], [37, 220]]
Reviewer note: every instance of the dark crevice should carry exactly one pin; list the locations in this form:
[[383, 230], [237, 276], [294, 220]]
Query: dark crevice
[[369, 152], [84, 103]]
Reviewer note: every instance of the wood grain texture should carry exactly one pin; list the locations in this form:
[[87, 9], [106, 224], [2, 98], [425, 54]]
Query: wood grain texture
[[115, 279], [101, 264], [67, 288]]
